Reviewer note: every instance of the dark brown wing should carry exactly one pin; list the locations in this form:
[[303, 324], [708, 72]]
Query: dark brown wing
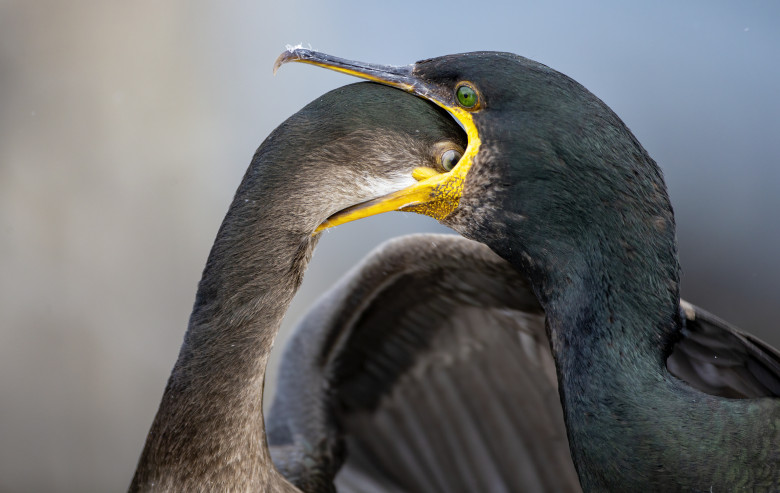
[[426, 370], [718, 359]]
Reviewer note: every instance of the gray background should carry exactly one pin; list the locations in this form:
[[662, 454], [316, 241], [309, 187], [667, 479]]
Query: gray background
[[126, 126]]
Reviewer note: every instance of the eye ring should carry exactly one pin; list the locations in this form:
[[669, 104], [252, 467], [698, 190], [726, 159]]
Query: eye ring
[[467, 96], [449, 159]]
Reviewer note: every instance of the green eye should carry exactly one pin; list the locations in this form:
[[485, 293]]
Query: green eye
[[449, 159], [467, 96]]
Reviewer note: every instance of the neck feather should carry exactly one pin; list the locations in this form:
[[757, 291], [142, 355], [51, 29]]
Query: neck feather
[[209, 428]]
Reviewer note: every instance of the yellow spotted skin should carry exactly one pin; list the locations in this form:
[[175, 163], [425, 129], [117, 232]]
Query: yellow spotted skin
[[442, 199], [447, 188]]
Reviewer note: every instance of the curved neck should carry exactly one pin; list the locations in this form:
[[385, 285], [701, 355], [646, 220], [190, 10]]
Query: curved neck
[[589, 221], [619, 318], [209, 428], [611, 299]]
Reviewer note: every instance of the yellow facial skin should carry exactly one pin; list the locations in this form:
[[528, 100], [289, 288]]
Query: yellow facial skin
[[435, 194]]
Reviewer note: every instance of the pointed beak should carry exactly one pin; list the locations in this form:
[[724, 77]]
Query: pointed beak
[[399, 77], [434, 195]]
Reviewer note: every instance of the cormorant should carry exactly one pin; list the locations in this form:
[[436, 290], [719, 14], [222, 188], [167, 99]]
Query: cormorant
[[657, 394], [345, 376], [339, 150]]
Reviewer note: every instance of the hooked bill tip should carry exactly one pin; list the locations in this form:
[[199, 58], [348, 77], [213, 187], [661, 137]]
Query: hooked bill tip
[[289, 55]]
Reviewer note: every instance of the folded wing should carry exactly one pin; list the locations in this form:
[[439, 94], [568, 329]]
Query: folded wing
[[426, 369], [718, 359]]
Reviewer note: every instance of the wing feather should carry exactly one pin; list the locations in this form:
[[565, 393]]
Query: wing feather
[[718, 359], [427, 369]]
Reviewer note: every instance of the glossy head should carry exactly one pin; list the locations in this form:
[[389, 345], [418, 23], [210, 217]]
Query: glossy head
[[549, 169]]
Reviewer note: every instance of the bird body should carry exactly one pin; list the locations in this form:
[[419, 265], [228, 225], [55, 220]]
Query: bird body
[[556, 184], [589, 221]]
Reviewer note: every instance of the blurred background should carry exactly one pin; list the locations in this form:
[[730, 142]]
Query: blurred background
[[125, 128]]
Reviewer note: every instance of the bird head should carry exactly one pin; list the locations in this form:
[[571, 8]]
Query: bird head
[[353, 144], [550, 171]]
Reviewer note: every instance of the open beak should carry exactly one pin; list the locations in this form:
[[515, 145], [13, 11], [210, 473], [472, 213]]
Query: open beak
[[436, 196]]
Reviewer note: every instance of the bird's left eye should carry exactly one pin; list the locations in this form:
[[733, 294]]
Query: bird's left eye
[[449, 159], [467, 96]]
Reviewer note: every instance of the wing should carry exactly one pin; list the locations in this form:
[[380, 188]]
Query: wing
[[718, 359], [427, 369]]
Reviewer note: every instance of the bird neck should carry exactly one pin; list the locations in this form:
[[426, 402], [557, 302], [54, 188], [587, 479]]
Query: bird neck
[[209, 428], [590, 223], [611, 299], [613, 316], [611, 319]]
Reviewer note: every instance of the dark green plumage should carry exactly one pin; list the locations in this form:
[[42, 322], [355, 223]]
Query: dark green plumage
[[577, 204], [561, 189]]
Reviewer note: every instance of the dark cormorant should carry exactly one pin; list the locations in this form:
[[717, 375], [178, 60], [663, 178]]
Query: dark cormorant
[[657, 394], [345, 376]]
